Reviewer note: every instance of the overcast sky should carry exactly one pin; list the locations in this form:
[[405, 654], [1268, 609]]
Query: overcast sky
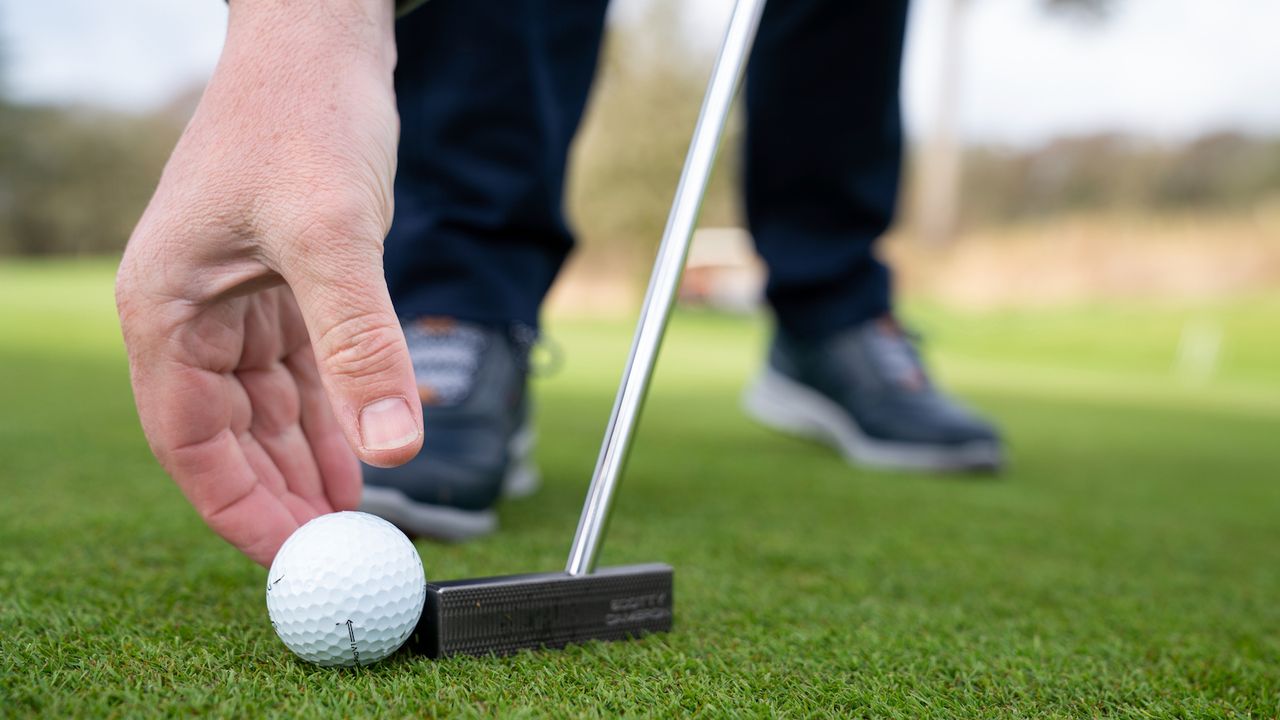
[[1162, 68]]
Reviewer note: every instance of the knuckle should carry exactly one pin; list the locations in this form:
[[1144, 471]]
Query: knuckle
[[360, 346], [131, 305], [329, 244], [342, 215], [124, 292]]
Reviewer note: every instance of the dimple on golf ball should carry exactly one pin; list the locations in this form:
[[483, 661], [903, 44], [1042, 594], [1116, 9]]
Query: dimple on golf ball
[[345, 589]]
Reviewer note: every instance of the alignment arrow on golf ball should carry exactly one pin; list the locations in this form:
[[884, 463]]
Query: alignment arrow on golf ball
[[345, 589]]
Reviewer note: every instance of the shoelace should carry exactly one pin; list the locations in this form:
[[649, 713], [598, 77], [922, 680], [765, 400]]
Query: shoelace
[[897, 352]]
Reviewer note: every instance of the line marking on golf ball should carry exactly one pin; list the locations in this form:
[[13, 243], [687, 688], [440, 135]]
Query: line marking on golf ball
[[351, 633]]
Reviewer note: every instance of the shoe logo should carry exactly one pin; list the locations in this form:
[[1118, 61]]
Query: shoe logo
[[428, 395], [435, 324], [446, 357]]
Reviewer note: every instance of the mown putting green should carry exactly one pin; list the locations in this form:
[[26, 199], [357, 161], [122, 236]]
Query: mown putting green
[[1127, 565]]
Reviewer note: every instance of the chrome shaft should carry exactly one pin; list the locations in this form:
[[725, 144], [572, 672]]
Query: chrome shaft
[[664, 283]]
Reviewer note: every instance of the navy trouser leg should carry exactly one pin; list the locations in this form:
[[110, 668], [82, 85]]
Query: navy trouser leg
[[823, 152], [490, 96]]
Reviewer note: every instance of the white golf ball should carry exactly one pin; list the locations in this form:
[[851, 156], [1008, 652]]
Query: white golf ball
[[345, 589]]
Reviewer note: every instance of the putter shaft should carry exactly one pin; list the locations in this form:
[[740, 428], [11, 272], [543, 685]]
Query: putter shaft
[[664, 283]]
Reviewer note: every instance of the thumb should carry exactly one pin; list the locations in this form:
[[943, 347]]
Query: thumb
[[360, 349]]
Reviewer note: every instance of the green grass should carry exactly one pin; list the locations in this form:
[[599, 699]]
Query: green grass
[[1128, 565]]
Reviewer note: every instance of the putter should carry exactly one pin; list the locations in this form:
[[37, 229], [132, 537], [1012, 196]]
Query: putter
[[501, 615]]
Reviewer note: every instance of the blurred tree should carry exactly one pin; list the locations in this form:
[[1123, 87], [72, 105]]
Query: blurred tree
[[1092, 9], [73, 180], [940, 173], [628, 157], [1221, 173], [941, 157]]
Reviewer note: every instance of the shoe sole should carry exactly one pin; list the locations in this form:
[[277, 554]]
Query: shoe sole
[[435, 522], [450, 524], [787, 406]]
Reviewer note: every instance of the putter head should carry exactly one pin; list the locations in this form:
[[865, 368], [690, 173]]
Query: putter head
[[501, 615]]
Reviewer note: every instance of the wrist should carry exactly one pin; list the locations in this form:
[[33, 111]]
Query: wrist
[[314, 32]]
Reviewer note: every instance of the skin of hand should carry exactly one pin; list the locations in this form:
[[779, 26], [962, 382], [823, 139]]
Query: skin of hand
[[264, 351]]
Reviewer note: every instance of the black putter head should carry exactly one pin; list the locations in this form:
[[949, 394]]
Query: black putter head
[[501, 615]]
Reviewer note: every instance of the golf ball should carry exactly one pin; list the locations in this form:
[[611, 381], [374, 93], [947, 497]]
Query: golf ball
[[345, 589]]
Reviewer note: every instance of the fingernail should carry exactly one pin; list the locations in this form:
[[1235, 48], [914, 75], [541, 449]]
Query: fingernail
[[387, 424]]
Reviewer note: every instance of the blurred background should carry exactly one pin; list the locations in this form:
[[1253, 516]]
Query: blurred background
[[1063, 150], [1064, 153]]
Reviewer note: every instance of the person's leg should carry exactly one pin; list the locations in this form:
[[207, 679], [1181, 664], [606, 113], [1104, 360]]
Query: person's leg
[[490, 96], [824, 149], [823, 152]]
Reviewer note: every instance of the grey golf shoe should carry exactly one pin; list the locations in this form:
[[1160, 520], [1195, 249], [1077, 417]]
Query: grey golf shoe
[[477, 440], [865, 392]]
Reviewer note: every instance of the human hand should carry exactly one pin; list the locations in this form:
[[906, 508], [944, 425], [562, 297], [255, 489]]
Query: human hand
[[264, 352]]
